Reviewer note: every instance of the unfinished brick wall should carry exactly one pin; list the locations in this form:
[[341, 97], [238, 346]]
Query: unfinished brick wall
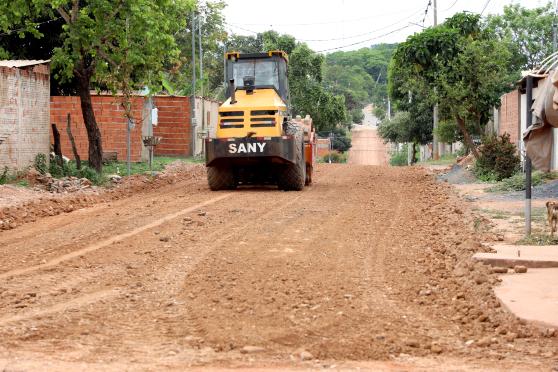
[[509, 116], [24, 114], [174, 125]]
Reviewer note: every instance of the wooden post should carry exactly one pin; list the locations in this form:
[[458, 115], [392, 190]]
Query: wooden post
[[73, 142], [57, 146]]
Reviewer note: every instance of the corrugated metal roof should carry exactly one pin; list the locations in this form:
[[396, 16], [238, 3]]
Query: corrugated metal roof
[[23, 62]]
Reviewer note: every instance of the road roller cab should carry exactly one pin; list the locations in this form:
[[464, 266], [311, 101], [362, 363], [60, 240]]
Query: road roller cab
[[256, 140]]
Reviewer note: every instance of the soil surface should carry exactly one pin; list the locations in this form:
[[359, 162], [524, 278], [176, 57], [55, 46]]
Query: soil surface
[[368, 148], [369, 268]]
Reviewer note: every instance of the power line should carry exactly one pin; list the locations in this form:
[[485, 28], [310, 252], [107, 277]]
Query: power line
[[485, 6], [337, 39], [25, 28], [452, 5], [325, 22], [364, 41]]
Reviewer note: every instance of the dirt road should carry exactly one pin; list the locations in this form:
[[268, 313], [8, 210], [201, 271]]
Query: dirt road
[[368, 148], [368, 268]]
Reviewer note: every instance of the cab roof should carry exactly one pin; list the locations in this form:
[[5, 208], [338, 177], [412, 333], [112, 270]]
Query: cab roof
[[271, 53]]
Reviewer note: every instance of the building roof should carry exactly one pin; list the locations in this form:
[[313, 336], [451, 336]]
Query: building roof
[[23, 63]]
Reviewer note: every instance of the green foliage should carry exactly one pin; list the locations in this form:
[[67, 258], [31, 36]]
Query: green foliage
[[335, 157], [527, 32], [498, 159], [517, 182], [539, 238], [448, 132], [399, 158], [4, 176], [404, 127], [40, 163], [380, 112], [360, 76], [357, 116], [341, 143], [461, 65], [213, 38]]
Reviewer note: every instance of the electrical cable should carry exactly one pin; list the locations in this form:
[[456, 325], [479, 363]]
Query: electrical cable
[[485, 6], [452, 5], [336, 39], [25, 28], [364, 41], [326, 22]]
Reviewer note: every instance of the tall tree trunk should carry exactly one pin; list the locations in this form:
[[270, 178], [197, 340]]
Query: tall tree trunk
[[83, 76], [467, 136], [414, 156]]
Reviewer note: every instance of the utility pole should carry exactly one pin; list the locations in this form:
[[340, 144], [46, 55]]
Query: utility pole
[[193, 103], [528, 166], [554, 26], [201, 78], [435, 146]]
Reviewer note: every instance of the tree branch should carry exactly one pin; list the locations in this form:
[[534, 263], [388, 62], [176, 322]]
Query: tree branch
[[106, 57], [64, 15], [75, 9]]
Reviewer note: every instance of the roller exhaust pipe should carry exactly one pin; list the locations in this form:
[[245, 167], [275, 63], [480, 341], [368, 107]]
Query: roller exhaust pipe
[[233, 91]]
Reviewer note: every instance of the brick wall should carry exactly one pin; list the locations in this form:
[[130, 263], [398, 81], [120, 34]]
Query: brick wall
[[173, 125], [24, 114], [509, 116], [322, 145]]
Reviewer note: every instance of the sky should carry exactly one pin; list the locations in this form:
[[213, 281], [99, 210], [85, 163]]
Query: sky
[[332, 25]]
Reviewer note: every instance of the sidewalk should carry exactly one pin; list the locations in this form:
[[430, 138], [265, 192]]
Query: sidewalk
[[525, 255], [532, 296]]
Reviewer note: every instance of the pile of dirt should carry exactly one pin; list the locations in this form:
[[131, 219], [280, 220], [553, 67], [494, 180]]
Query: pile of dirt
[[57, 196], [458, 174]]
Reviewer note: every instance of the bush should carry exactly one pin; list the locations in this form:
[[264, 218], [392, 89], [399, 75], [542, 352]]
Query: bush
[[399, 158], [4, 176], [40, 163], [341, 144], [67, 170], [336, 157], [497, 160], [517, 182]]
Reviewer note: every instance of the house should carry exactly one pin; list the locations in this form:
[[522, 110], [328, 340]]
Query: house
[[24, 112]]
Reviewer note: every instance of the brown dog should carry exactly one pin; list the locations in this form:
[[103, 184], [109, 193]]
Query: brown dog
[[552, 211]]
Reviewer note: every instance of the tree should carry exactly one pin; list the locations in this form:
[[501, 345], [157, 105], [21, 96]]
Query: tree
[[119, 45], [528, 33], [413, 126], [178, 77], [360, 76], [460, 65]]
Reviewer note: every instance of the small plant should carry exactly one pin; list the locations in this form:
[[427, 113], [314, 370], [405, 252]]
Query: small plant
[[399, 158], [335, 157], [517, 182], [497, 160], [538, 239], [40, 163], [4, 176]]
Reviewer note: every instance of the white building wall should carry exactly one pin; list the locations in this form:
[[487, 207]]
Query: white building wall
[[24, 115]]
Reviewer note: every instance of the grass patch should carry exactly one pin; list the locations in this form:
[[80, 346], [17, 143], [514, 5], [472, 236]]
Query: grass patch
[[538, 239], [159, 164], [444, 160], [336, 157]]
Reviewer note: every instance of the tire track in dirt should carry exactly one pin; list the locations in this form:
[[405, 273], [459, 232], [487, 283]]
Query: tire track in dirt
[[61, 307], [332, 269], [112, 240]]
